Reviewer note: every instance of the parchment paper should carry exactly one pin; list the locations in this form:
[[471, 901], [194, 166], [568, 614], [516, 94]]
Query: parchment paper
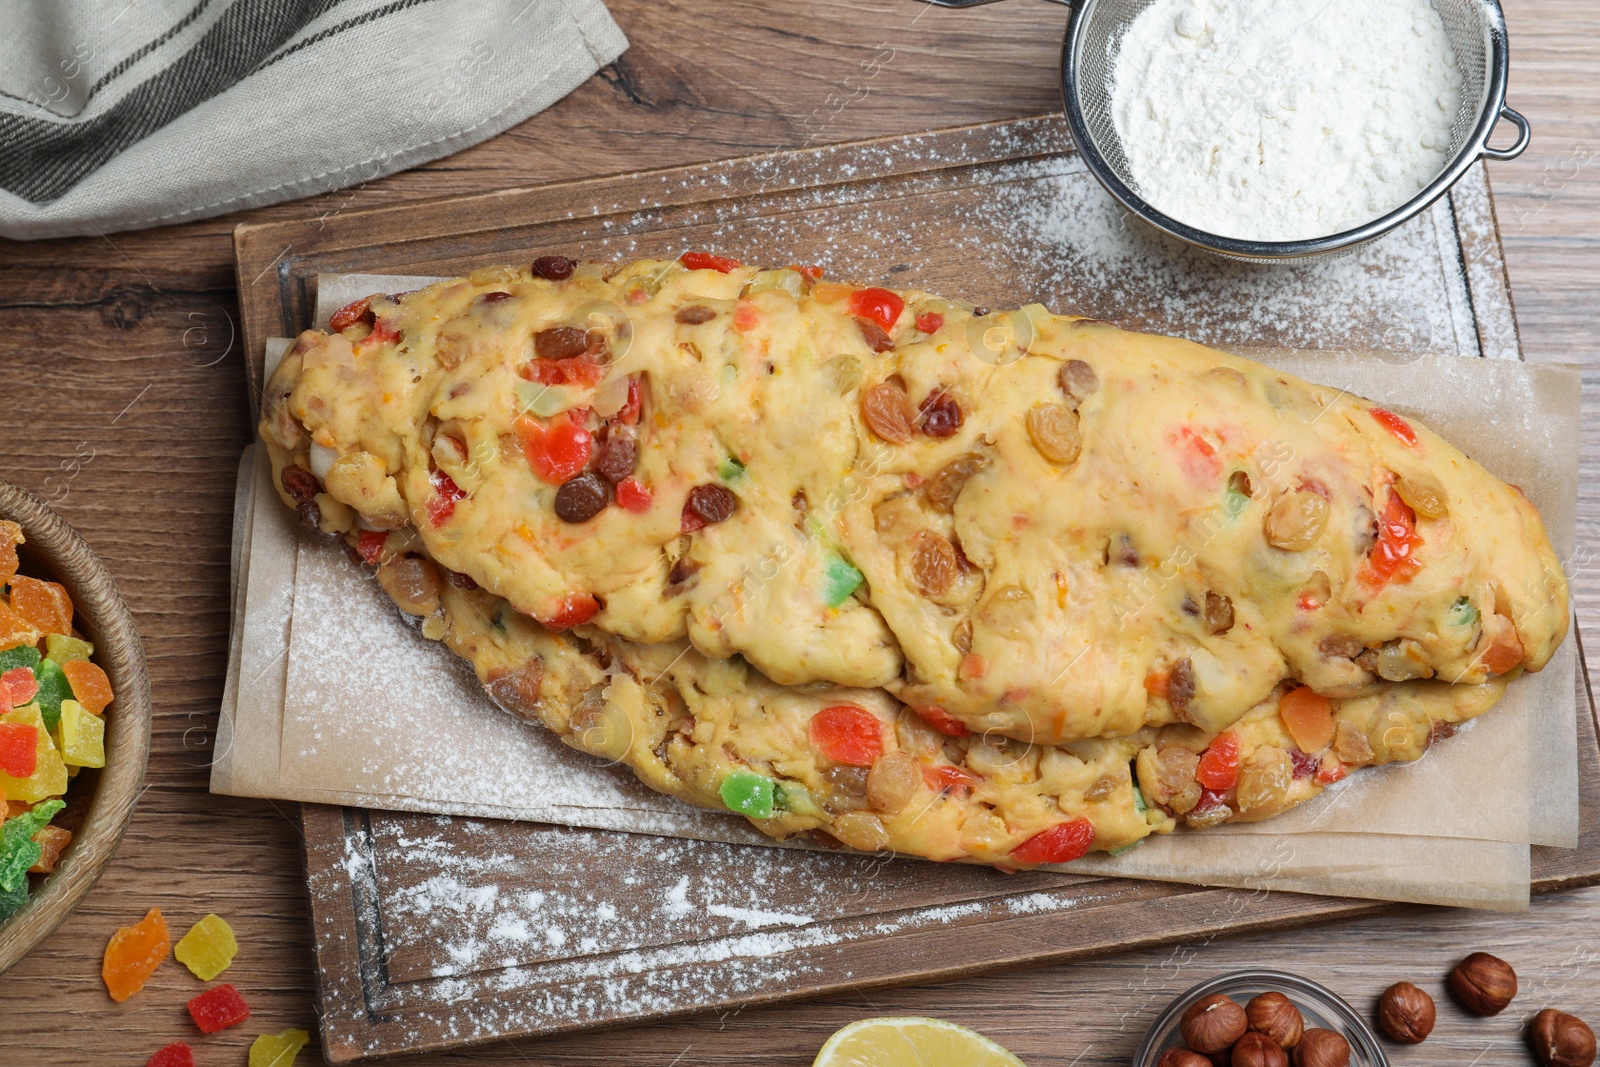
[[332, 699]]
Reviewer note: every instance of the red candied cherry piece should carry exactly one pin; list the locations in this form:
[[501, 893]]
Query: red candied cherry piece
[[176, 1054], [219, 1008]]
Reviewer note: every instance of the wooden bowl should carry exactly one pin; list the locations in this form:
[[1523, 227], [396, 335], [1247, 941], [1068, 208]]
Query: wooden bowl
[[99, 802]]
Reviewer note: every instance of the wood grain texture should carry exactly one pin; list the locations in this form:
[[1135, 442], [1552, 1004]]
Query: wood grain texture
[[123, 344]]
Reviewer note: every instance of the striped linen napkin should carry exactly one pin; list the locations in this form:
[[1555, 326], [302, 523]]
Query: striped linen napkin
[[122, 114]]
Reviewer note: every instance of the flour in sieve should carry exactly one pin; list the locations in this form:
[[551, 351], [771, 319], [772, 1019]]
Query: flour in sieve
[[1277, 120]]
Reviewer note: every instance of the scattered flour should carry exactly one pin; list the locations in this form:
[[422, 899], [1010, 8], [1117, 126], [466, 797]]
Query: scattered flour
[[1284, 119]]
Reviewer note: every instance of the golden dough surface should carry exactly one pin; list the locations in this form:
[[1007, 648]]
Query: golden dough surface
[[1103, 532]]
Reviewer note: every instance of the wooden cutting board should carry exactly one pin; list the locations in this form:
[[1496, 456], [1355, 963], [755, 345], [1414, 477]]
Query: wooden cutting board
[[433, 932]]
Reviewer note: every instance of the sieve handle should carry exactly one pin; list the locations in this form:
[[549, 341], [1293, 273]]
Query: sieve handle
[[1524, 135]]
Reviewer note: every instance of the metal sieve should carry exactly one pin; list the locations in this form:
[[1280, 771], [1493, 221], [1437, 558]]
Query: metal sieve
[[1477, 34]]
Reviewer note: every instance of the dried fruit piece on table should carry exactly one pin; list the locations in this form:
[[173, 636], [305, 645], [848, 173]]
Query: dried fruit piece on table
[[133, 954], [277, 1050], [208, 948], [83, 736], [45, 605], [1484, 984], [176, 1054], [218, 1008]]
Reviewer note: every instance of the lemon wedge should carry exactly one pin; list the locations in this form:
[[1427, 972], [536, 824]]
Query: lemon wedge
[[911, 1042]]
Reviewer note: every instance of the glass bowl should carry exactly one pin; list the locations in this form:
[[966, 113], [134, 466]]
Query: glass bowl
[[1321, 1007]]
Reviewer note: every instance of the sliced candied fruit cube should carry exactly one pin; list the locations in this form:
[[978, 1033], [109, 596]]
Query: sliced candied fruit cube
[[49, 777], [64, 649], [15, 631], [53, 689], [10, 538], [45, 605], [90, 686], [83, 736]]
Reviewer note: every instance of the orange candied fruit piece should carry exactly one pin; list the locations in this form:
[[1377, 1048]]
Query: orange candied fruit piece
[[1308, 716], [134, 953], [52, 841], [90, 686], [10, 538], [15, 630], [43, 604]]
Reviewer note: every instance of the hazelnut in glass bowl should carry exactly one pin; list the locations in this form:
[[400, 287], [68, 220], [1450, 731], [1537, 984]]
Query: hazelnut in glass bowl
[[1267, 1018]]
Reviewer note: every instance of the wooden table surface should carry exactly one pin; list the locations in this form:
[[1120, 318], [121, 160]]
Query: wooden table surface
[[123, 389]]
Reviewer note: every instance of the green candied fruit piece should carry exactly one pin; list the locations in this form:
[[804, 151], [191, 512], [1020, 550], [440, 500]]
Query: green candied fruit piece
[[18, 851], [790, 281], [796, 799], [53, 689], [59, 648], [839, 579], [730, 470], [1462, 613], [1237, 498], [748, 793], [13, 899], [21, 656]]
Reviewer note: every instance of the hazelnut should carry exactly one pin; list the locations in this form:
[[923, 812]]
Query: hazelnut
[[1406, 1013], [1483, 983], [1561, 1040], [1322, 1048], [1257, 1050], [1182, 1057], [1276, 1016], [1212, 1024]]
